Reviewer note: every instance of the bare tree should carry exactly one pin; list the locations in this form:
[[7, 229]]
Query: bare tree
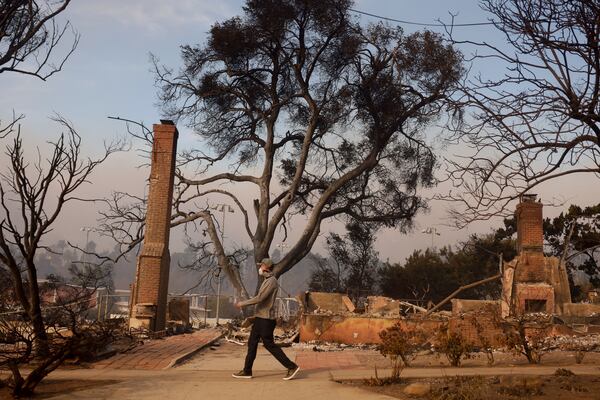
[[66, 306], [10, 128], [312, 115], [538, 121], [29, 36], [32, 197]]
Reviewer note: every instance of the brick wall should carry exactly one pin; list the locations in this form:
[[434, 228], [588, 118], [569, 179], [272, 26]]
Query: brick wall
[[354, 329], [477, 326]]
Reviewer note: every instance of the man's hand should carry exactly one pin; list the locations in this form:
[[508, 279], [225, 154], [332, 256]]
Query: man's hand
[[238, 304]]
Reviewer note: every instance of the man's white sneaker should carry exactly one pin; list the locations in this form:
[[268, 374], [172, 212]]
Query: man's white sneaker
[[242, 375], [291, 373]]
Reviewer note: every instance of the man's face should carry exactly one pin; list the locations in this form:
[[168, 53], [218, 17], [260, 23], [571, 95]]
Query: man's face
[[262, 269]]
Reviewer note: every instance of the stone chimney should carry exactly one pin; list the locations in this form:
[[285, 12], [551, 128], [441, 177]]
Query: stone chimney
[[149, 296]]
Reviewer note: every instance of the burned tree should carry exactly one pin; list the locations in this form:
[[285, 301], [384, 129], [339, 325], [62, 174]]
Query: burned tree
[[29, 35], [33, 193], [540, 119], [311, 114]]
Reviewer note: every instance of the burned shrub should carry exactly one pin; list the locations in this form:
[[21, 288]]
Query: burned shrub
[[525, 337], [401, 346], [453, 345]]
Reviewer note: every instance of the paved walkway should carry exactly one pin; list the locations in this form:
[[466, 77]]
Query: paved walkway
[[160, 353], [310, 360], [207, 375]]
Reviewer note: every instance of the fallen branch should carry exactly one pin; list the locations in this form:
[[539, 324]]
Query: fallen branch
[[460, 289], [234, 341], [414, 306]]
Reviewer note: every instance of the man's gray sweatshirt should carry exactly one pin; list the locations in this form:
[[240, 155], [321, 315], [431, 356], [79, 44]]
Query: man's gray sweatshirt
[[265, 299]]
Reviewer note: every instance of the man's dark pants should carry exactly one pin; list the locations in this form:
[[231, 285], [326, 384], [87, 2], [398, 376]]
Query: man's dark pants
[[263, 329]]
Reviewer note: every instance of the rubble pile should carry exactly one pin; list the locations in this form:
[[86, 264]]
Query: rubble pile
[[238, 332], [588, 343], [372, 306], [319, 346]]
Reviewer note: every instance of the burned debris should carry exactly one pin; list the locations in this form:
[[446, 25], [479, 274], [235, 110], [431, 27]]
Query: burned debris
[[534, 314]]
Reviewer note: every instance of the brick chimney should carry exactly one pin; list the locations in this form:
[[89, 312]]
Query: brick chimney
[[533, 282], [530, 234], [149, 304], [530, 242]]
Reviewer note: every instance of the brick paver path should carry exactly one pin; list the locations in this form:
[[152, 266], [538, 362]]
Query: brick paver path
[[159, 353], [311, 360]]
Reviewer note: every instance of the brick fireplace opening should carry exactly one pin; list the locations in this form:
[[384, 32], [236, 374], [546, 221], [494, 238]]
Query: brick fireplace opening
[[534, 306]]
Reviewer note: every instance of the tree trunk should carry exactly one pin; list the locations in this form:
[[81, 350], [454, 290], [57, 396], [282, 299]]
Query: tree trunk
[[233, 274], [40, 343], [41, 347]]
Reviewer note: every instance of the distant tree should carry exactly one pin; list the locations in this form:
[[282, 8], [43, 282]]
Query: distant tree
[[479, 258], [539, 119], [581, 226], [434, 274], [423, 276], [309, 113], [326, 278], [29, 35], [576, 234], [352, 264]]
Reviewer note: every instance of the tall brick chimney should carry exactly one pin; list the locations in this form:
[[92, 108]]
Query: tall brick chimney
[[149, 304]]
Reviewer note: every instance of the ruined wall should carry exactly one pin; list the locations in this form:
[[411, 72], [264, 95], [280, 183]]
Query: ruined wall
[[473, 326], [365, 330], [327, 302], [477, 326], [355, 329], [582, 310], [460, 306]]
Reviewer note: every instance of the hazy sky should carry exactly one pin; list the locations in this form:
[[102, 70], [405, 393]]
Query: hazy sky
[[109, 74]]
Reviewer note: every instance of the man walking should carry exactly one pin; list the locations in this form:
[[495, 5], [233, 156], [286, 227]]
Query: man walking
[[264, 324]]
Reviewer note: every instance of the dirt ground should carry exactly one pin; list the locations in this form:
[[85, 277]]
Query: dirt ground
[[561, 386], [52, 387], [501, 359], [499, 388]]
